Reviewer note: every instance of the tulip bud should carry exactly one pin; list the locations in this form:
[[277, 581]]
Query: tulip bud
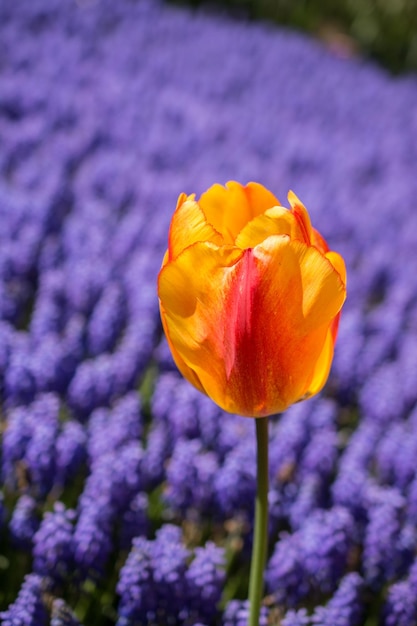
[[250, 298]]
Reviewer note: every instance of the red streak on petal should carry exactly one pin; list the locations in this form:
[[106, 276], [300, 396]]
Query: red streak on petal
[[334, 327], [298, 216], [240, 309], [244, 349]]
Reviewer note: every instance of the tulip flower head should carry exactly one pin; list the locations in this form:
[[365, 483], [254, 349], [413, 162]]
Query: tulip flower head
[[250, 298]]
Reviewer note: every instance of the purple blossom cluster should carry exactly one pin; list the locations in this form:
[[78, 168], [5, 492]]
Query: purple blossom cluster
[[29, 606], [126, 496], [159, 585], [343, 609]]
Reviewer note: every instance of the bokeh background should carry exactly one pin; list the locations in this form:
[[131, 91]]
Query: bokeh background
[[383, 30], [126, 496]]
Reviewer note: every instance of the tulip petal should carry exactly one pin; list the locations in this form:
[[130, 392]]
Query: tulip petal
[[292, 306], [192, 309], [319, 241], [187, 372], [226, 208], [338, 263], [260, 199], [250, 325], [301, 215], [275, 221], [322, 366], [323, 289], [231, 207], [189, 225]]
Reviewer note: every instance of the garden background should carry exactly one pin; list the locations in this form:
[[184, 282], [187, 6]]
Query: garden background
[[126, 496]]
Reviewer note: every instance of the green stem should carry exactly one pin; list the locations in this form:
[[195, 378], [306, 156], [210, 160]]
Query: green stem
[[260, 531]]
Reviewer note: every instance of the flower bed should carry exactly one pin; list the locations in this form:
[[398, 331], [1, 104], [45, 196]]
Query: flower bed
[[126, 495]]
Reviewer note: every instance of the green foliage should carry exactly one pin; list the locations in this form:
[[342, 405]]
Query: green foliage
[[384, 30]]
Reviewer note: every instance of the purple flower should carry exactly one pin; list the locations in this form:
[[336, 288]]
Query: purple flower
[[61, 614], [401, 606], [30, 442], [191, 472], [18, 258], [320, 455], [109, 429], [91, 386], [24, 521], [19, 380], [231, 432], [175, 402], [287, 440], [313, 558], [159, 445], [382, 327], [190, 415], [136, 587], [387, 551], [345, 368], [107, 320], [114, 481], [84, 279], [158, 584], [152, 582], [354, 479], [129, 361], [164, 358], [52, 544], [396, 455], [310, 496], [70, 451], [169, 568], [92, 539], [345, 607], [135, 520], [237, 614], [205, 580], [99, 381], [50, 309], [381, 397], [55, 358], [296, 618], [29, 607], [408, 364], [6, 343], [41, 449], [15, 440], [412, 501], [235, 481]]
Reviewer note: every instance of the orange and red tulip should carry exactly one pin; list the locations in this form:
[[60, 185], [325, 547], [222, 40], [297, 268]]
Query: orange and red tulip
[[250, 298]]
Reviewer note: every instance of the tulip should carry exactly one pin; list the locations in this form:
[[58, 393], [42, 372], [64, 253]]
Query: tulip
[[250, 298]]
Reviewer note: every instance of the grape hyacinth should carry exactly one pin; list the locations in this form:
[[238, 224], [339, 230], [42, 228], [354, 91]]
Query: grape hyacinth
[[296, 618], [312, 559], [401, 607], [61, 614], [29, 606], [159, 586], [126, 496], [52, 543], [237, 613], [345, 607], [24, 521]]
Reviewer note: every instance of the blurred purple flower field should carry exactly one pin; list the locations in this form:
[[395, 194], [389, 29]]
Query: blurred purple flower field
[[126, 496]]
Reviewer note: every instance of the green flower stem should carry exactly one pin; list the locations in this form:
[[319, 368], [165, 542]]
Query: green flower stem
[[260, 531]]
